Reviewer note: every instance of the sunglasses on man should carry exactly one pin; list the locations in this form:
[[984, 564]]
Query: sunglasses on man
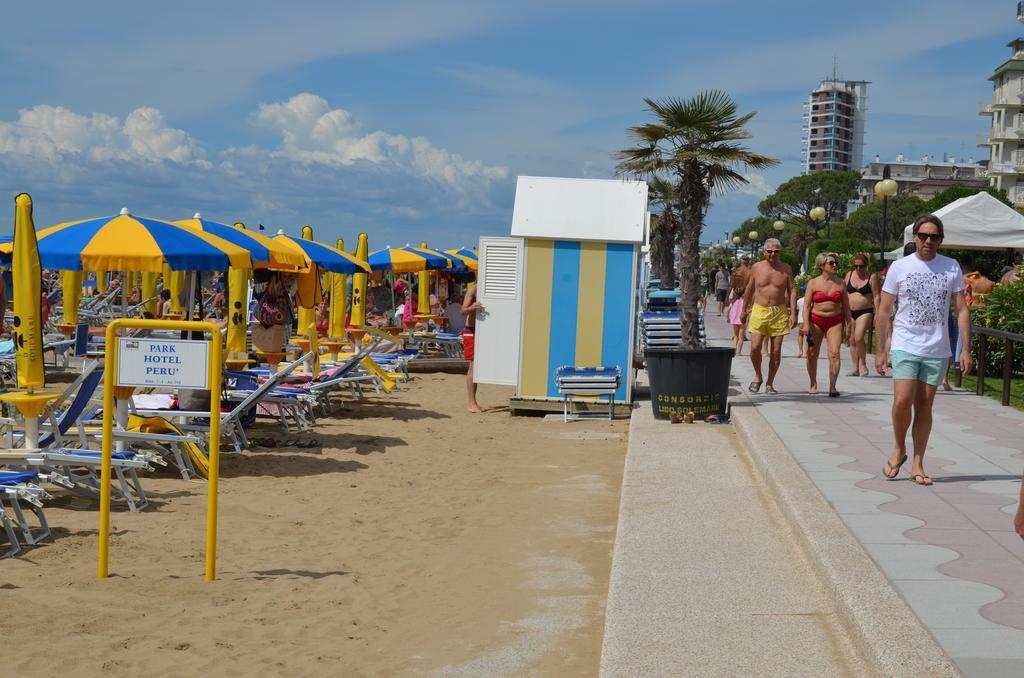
[[772, 251], [934, 237]]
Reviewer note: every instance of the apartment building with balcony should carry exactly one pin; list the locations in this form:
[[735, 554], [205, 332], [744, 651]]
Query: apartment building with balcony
[[923, 178], [833, 126], [1005, 139]]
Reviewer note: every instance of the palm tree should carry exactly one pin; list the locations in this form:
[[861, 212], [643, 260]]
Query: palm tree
[[664, 229], [696, 141]]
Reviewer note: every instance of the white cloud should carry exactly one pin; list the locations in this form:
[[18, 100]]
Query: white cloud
[[323, 170], [312, 132], [757, 185], [55, 134]]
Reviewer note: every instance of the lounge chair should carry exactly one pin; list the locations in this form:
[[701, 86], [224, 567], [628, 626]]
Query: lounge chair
[[17, 487], [231, 421], [80, 466]]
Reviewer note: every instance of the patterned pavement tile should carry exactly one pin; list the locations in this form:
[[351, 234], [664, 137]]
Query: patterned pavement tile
[[950, 549]]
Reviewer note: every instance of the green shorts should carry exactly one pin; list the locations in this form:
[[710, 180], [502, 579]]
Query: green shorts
[[912, 367]]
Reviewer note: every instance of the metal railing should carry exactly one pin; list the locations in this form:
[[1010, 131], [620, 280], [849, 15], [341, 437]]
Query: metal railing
[[1009, 339]]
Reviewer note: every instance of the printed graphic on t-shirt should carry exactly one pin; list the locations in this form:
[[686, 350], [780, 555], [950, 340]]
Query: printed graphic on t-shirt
[[927, 298]]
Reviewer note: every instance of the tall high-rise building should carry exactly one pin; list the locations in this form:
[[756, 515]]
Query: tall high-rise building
[[1006, 135], [833, 126]]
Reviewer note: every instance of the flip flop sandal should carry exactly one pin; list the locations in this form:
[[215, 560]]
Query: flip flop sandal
[[294, 442], [895, 470], [310, 444], [770, 390], [921, 479], [834, 394], [754, 387], [716, 419]]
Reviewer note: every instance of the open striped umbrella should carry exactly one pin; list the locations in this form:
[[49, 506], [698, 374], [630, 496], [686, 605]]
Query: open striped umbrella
[[324, 256], [467, 256], [407, 259], [267, 251], [126, 242]]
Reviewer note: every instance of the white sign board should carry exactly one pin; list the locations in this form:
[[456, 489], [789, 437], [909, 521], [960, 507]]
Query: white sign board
[[178, 363]]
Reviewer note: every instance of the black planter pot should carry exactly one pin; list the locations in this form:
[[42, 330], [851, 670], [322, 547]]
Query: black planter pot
[[684, 380]]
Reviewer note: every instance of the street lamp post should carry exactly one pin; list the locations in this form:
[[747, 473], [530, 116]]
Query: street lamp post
[[753, 236], [885, 189], [736, 245], [818, 215]]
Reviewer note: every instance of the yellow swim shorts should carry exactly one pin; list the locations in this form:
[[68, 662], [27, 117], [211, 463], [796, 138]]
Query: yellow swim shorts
[[771, 321]]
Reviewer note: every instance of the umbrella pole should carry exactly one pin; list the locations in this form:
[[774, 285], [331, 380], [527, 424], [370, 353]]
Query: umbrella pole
[[124, 294]]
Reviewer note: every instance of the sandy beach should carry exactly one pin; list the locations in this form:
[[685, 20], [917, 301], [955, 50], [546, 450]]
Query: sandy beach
[[416, 539]]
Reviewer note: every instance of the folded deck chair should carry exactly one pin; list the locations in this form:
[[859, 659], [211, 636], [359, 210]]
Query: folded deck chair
[[17, 487], [346, 374], [230, 421]]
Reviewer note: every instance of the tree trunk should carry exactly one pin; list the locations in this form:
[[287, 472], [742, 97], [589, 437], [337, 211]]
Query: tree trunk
[[664, 260], [693, 202]]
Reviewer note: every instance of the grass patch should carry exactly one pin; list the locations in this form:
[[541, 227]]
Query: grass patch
[[994, 388]]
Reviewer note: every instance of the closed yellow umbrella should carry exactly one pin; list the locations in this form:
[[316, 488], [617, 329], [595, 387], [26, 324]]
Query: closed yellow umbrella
[[359, 280], [238, 314], [27, 275], [176, 285], [309, 294], [339, 292], [71, 288], [423, 296], [148, 285]]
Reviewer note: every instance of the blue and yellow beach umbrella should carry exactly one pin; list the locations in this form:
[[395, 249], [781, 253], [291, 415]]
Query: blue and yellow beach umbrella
[[326, 257], [127, 242], [467, 256], [408, 259], [266, 252]]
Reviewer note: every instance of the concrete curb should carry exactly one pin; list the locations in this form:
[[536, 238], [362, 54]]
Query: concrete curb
[[887, 633]]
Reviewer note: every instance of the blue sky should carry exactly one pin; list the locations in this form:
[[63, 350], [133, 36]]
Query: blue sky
[[411, 120]]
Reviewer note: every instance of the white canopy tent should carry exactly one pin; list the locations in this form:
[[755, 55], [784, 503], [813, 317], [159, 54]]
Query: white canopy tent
[[978, 222]]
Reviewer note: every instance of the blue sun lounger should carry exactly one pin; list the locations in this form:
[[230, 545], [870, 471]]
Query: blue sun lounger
[[17, 487]]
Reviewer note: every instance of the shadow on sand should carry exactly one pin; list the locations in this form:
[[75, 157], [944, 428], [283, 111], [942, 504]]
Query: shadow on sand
[[285, 466], [392, 410], [360, 444]]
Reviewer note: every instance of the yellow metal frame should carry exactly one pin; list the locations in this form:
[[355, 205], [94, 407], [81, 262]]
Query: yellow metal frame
[[109, 380]]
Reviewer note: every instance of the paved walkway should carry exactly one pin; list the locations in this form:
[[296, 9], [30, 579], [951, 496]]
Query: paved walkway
[[707, 579], [950, 550]]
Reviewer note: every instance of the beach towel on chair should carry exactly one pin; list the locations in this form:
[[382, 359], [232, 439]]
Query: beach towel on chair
[[161, 425]]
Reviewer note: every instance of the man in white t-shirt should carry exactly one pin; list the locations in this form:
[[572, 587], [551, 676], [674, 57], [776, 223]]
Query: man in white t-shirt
[[925, 283]]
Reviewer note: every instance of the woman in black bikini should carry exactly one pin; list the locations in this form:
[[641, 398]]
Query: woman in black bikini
[[863, 288], [826, 307]]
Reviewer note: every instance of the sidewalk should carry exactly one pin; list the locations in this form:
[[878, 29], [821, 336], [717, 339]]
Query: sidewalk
[[707, 579], [950, 550]]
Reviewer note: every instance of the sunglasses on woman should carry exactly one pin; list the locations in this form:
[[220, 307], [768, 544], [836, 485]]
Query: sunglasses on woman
[[859, 265], [831, 262]]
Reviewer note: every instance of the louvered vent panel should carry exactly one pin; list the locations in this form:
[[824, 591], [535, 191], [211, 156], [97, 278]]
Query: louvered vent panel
[[502, 273]]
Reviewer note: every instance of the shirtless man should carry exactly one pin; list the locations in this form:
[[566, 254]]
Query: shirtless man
[[770, 304], [469, 308]]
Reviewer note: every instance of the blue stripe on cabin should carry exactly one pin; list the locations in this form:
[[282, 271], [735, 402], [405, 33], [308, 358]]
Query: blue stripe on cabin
[[618, 296], [565, 284]]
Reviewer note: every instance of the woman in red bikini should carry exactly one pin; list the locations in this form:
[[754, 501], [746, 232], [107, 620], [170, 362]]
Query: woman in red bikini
[[827, 306]]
